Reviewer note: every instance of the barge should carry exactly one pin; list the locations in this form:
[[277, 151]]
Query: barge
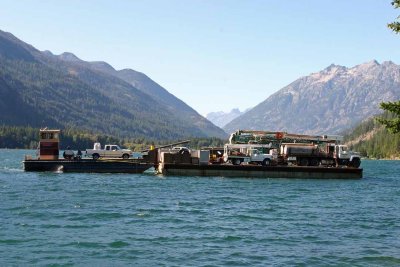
[[170, 161], [87, 165], [256, 171], [48, 159]]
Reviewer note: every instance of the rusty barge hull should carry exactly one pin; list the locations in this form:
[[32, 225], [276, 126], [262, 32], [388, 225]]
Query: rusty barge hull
[[86, 166], [254, 171]]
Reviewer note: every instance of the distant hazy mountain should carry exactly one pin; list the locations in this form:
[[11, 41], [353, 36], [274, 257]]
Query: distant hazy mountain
[[221, 118], [328, 101], [41, 89]]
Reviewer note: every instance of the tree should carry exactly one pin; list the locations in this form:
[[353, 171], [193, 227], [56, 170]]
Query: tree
[[395, 25], [393, 125]]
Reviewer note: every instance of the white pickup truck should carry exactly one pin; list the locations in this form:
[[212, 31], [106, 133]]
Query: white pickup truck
[[109, 151], [250, 153]]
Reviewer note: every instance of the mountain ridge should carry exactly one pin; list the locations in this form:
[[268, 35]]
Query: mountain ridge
[[70, 92], [221, 118], [148, 86], [327, 101]]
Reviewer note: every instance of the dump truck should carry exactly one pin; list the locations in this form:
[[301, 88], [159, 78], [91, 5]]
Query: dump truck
[[316, 155]]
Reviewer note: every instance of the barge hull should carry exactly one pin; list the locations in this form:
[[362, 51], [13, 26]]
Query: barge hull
[[253, 171], [88, 166]]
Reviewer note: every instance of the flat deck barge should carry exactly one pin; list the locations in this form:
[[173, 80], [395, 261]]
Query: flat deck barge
[[87, 165], [255, 171]]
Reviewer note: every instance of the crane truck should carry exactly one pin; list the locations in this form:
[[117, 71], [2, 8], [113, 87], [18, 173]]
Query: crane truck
[[253, 154], [301, 150]]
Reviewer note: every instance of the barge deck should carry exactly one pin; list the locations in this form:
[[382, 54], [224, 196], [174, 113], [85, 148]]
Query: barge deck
[[255, 171], [87, 165]]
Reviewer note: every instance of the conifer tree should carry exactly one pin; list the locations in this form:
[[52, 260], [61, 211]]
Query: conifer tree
[[395, 25], [393, 125]]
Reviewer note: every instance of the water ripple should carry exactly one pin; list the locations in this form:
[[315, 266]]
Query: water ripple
[[144, 220]]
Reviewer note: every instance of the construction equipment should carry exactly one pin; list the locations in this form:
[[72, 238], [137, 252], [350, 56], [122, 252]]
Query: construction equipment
[[250, 153], [301, 150], [265, 137]]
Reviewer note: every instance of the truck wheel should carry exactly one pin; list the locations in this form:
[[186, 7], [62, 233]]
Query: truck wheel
[[303, 162], [96, 156], [236, 161], [266, 162], [125, 156], [314, 162], [183, 152], [356, 162]]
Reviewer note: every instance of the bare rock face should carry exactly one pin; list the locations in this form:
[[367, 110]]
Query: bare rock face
[[329, 101]]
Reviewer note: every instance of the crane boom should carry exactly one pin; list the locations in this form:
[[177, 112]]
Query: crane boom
[[263, 137]]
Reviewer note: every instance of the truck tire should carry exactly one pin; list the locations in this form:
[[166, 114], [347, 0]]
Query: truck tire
[[184, 152], [266, 162], [356, 162], [303, 162], [236, 161], [125, 156], [314, 162], [96, 156]]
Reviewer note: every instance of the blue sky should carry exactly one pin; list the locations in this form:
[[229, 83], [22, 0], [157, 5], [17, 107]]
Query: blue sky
[[213, 54]]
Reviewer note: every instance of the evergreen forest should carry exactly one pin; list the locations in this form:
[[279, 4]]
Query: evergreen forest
[[373, 140]]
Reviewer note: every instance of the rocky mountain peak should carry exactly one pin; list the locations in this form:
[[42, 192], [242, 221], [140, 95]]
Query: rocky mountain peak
[[333, 68], [47, 53], [67, 56], [388, 63], [102, 66], [373, 64], [221, 118], [326, 102]]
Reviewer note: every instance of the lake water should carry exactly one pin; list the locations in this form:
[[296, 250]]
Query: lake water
[[147, 220]]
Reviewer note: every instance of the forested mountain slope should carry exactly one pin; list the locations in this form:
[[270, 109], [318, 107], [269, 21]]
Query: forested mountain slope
[[64, 91], [371, 139]]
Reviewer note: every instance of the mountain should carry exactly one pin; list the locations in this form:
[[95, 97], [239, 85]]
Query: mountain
[[326, 102], [41, 89], [221, 118]]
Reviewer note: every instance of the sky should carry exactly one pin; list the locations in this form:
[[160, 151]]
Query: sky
[[214, 55]]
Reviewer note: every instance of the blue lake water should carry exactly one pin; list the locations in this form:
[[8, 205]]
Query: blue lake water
[[148, 220]]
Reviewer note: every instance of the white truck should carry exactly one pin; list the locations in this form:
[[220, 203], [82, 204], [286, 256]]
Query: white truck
[[329, 154], [109, 151], [250, 153]]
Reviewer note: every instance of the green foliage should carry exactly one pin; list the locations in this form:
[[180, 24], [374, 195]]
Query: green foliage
[[373, 140], [40, 90], [393, 123], [395, 25], [18, 137], [28, 138]]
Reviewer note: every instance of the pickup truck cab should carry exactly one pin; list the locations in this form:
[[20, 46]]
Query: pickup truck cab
[[239, 153], [181, 149], [109, 151]]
